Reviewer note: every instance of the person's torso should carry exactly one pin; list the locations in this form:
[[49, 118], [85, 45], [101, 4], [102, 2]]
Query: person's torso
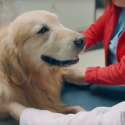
[[110, 26], [119, 29]]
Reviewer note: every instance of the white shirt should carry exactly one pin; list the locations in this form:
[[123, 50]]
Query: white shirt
[[99, 116]]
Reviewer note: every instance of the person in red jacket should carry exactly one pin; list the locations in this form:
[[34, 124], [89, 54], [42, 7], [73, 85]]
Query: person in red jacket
[[109, 28]]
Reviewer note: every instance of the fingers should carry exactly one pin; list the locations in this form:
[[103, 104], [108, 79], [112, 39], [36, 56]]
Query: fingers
[[65, 110], [74, 110], [67, 75]]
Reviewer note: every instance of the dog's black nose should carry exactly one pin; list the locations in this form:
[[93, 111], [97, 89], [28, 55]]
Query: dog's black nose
[[80, 43]]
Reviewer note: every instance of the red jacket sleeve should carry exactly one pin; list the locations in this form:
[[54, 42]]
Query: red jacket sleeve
[[95, 32], [109, 75]]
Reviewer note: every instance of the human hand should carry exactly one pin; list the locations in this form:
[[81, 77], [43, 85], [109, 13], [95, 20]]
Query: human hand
[[15, 110], [8, 108], [74, 74], [73, 109], [4, 113]]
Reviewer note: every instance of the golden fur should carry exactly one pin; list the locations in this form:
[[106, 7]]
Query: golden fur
[[24, 76]]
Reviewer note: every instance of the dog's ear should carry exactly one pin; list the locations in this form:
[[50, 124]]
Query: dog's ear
[[10, 51], [10, 66]]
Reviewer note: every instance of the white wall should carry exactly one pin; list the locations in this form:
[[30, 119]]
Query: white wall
[[74, 14]]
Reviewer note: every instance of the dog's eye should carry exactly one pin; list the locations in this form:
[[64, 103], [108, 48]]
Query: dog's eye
[[43, 30]]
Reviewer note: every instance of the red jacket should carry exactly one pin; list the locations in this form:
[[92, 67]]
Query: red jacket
[[102, 30]]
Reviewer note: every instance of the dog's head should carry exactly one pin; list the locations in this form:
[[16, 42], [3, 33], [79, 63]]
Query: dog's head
[[40, 37]]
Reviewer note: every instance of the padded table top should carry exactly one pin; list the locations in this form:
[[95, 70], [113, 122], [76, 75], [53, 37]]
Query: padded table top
[[92, 96]]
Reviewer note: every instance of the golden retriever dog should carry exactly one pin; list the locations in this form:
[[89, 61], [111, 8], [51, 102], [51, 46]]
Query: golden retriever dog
[[33, 50]]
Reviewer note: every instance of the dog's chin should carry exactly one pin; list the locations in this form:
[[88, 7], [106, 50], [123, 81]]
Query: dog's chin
[[61, 63]]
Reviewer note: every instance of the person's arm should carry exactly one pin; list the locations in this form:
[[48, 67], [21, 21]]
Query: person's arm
[[95, 32], [100, 115], [109, 75]]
